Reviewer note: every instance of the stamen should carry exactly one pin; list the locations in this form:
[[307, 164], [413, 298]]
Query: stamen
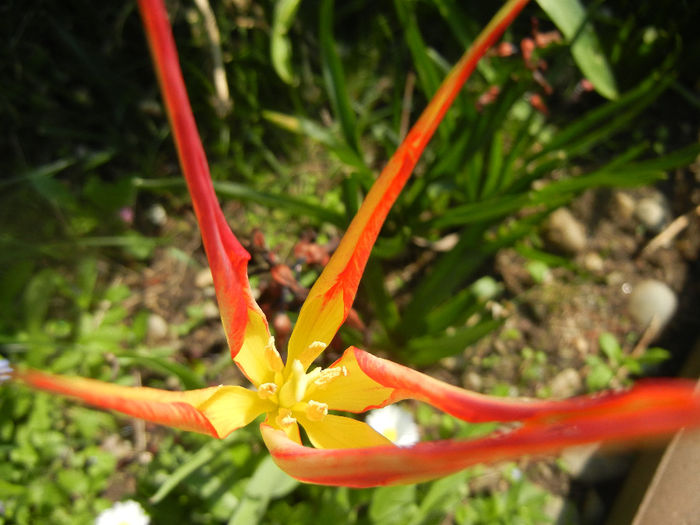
[[316, 411], [272, 356], [294, 388], [284, 418], [329, 374], [267, 390], [318, 344]]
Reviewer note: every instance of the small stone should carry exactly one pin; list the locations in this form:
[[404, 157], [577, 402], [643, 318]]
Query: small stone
[[157, 215], [210, 310], [156, 328], [593, 262], [624, 205], [614, 278], [652, 299], [566, 232], [472, 381], [566, 383], [581, 345], [203, 278], [652, 213]]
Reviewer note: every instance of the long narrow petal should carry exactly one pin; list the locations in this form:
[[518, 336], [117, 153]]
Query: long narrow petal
[[332, 295], [407, 383], [630, 423], [342, 432], [244, 322], [216, 411]]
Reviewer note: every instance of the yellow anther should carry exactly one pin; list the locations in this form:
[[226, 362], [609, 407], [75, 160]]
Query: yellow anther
[[316, 345], [267, 390], [316, 411], [272, 356], [284, 417], [329, 374]]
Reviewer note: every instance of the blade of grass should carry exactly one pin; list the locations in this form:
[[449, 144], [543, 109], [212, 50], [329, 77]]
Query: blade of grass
[[280, 45], [573, 21], [335, 78], [235, 190]]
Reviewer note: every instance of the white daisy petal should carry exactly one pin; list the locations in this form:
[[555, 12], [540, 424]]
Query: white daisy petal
[[5, 370], [123, 513], [394, 423]]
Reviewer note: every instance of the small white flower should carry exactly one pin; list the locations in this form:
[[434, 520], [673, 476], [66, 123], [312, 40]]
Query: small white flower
[[5, 370], [123, 513], [395, 424]]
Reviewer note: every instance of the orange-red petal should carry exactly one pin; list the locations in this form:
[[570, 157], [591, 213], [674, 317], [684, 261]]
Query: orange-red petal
[[331, 297], [216, 411], [629, 423], [243, 320], [407, 383]]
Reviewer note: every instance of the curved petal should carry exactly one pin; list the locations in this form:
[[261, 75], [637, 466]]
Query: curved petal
[[243, 320], [336, 432], [292, 431], [335, 289], [367, 467], [407, 383], [352, 391], [216, 411]]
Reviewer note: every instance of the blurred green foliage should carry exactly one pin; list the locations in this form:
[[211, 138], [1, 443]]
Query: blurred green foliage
[[85, 144]]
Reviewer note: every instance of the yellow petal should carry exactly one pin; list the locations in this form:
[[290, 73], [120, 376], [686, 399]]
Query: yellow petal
[[352, 391], [231, 407], [257, 363], [341, 432], [318, 321]]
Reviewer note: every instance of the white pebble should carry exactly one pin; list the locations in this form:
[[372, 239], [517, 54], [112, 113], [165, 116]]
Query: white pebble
[[652, 299], [652, 213]]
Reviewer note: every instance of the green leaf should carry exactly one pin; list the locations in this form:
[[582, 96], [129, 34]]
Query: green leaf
[[203, 456], [654, 356], [610, 347], [539, 271], [602, 122], [73, 481], [294, 205], [314, 131], [442, 496], [428, 350], [572, 20], [600, 373], [189, 379], [268, 482], [393, 505], [335, 78], [280, 45]]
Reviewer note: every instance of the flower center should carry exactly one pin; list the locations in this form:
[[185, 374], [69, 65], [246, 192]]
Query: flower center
[[293, 394]]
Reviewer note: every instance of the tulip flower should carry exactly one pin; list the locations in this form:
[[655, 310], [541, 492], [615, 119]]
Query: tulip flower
[[296, 394]]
